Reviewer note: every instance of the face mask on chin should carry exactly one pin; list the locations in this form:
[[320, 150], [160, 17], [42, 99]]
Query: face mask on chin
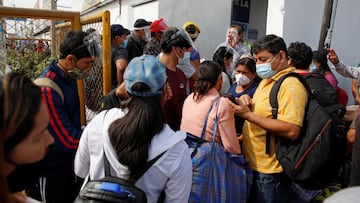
[[264, 70]]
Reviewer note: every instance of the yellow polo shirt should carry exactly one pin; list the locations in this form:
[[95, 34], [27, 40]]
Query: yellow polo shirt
[[292, 99]]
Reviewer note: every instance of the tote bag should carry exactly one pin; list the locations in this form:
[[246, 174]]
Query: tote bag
[[218, 176]]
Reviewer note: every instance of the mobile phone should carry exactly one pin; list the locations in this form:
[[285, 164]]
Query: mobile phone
[[231, 98]]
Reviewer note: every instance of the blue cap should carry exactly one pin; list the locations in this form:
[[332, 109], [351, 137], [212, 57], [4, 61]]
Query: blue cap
[[146, 69]]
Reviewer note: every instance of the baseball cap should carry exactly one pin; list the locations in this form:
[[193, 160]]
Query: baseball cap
[[141, 24], [158, 25], [145, 69], [118, 30]]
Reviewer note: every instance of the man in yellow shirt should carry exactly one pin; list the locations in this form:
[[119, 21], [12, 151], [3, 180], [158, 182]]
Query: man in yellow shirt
[[270, 184]]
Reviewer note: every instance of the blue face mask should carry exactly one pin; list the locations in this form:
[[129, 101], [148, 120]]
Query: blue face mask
[[312, 68], [264, 70], [185, 59], [125, 43]]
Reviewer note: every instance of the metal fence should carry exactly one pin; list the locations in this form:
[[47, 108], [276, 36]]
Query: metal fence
[[99, 82], [28, 43]]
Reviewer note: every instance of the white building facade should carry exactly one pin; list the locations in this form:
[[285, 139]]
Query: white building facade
[[291, 19]]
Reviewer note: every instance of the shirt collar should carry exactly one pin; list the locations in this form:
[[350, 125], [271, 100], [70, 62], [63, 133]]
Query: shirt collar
[[282, 72]]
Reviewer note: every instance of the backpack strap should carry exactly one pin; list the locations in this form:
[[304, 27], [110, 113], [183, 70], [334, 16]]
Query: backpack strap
[[316, 74], [47, 82], [147, 166], [274, 100]]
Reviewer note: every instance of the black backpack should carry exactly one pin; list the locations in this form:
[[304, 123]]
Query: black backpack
[[314, 159], [322, 90], [110, 100], [114, 189]]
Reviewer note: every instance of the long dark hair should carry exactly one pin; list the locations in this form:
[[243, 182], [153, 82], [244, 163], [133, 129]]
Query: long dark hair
[[207, 76], [220, 54], [320, 57], [20, 100], [131, 135]]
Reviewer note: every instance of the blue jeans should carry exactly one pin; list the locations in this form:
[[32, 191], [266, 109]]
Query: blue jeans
[[270, 188]]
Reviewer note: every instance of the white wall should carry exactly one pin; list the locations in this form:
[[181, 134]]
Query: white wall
[[302, 22], [275, 16], [293, 20], [345, 39], [129, 12], [148, 11], [213, 17]]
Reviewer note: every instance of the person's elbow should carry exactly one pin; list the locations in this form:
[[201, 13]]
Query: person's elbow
[[233, 149], [294, 132]]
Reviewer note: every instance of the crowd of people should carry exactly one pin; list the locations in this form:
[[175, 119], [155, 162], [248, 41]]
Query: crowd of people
[[163, 92]]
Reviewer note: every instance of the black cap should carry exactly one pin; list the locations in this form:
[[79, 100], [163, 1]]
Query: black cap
[[140, 23], [118, 30]]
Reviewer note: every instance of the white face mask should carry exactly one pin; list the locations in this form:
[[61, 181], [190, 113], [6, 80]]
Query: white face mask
[[78, 73], [241, 79]]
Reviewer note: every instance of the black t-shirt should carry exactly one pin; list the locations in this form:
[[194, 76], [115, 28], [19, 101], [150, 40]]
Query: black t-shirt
[[135, 47], [116, 53]]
